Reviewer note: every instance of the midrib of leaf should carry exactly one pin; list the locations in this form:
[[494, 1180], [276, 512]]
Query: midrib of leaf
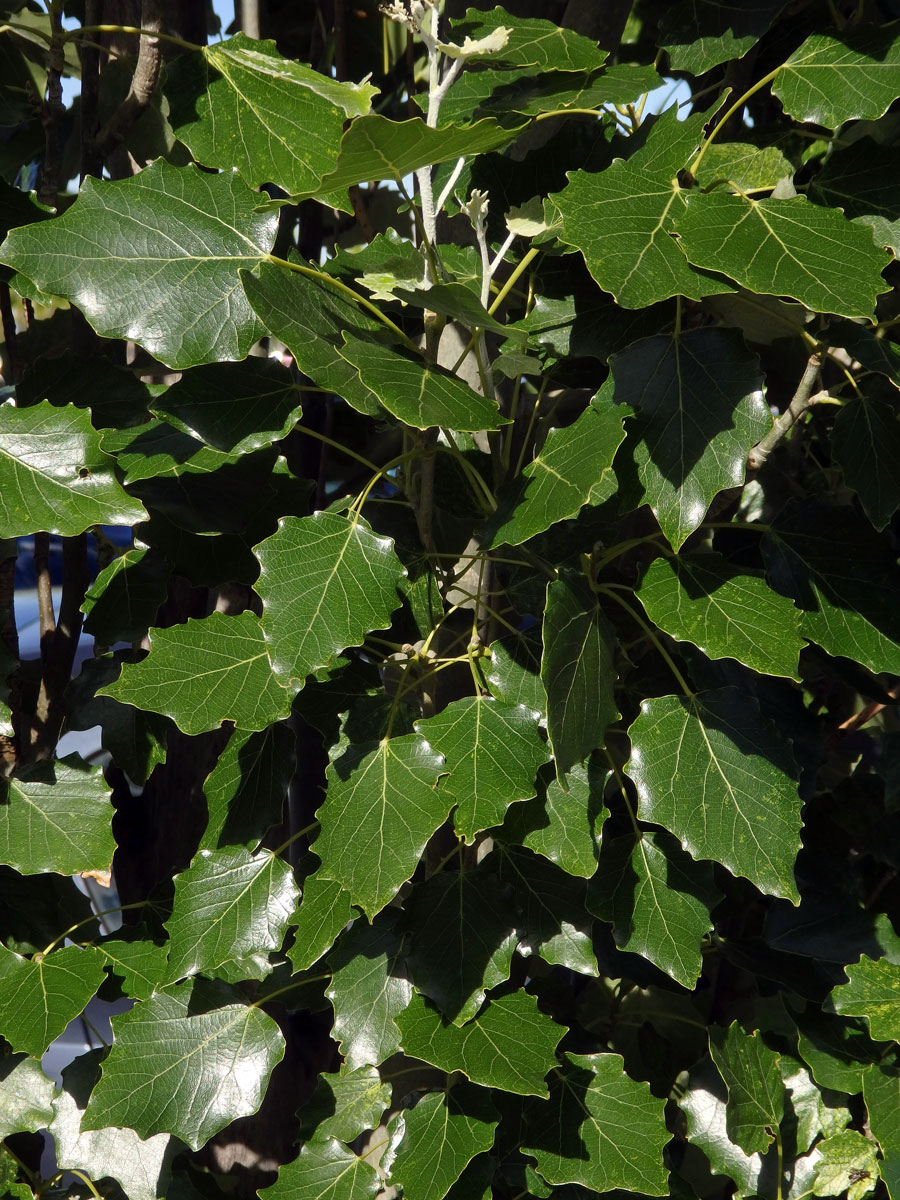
[[587, 1112], [222, 65], [651, 241], [45, 817]]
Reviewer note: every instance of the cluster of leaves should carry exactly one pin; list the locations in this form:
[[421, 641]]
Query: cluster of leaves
[[592, 867]]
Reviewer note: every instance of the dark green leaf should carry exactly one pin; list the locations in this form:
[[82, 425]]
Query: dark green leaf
[[41, 995], [382, 806], [347, 588], [122, 602], [369, 990], [228, 904], [599, 1128], [657, 901], [564, 826], [873, 993], [54, 475], [838, 1051], [700, 406], [726, 613], [552, 920], [515, 672], [577, 670], [206, 672], [866, 445], [622, 219], [56, 817], [573, 468], [240, 106], [510, 1044], [324, 912], [156, 449], [785, 248], [188, 1061], [246, 789], [26, 1095], [443, 1133], [137, 960], [863, 180], [700, 34], [347, 1104], [833, 78], [493, 752], [714, 773], [532, 42], [325, 1170], [755, 1089], [881, 1089], [174, 237]]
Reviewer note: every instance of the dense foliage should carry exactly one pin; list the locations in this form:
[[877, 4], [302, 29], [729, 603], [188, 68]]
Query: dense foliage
[[498, 687]]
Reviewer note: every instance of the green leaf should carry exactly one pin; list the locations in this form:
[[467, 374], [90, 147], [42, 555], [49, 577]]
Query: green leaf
[[714, 773], [833, 78], [451, 300], [56, 817], [848, 1164], [866, 441], [369, 989], [240, 106], [532, 42], [863, 181], [461, 940], [26, 1095], [657, 901], [176, 237], [551, 917], [510, 1044], [564, 826], [622, 219], [39, 996], [700, 406], [785, 248], [233, 407], [744, 166], [600, 1128], [228, 904], [54, 476], [310, 317], [873, 993], [325, 1170], [573, 468], [418, 393], [838, 1052], [143, 1168], [157, 449], [726, 613], [382, 806], [347, 588], [881, 1090], [493, 752], [137, 960], [577, 671], [122, 602], [246, 790], [443, 1133], [188, 1061], [376, 148], [347, 1104], [324, 912], [700, 34], [206, 672], [515, 671], [755, 1090]]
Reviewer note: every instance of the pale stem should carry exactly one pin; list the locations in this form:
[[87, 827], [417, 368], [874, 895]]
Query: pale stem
[[451, 183], [802, 400]]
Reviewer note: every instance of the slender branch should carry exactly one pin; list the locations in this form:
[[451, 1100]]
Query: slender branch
[[514, 278], [450, 184], [861, 718], [143, 82], [609, 590], [44, 592], [75, 34], [803, 399], [738, 104]]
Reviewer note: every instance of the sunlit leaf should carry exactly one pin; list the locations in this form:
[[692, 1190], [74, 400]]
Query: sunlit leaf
[[833, 78], [755, 1090], [41, 995], [873, 993], [444, 1132]]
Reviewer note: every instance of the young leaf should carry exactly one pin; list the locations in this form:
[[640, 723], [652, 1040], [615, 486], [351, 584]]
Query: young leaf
[[246, 789], [55, 476], [712, 771], [510, 1044], [848, 1164], [382, 806], [725, 613], [416, 392], [228, 904], [369, 989], [756, 1092], [324, 912], [573, 468], [698, 396], [657, 901], [622, 220], [175, 238], [873, 993], [443, 1133], [240, 106], [833, 78], [493, 752], [206, 672], [26, 1095], [56, 817], [39, 996], [785, 248], [325, 1170], [866, 442], [577, 671], [348, 587], [600, 1128], [187, 1061]]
